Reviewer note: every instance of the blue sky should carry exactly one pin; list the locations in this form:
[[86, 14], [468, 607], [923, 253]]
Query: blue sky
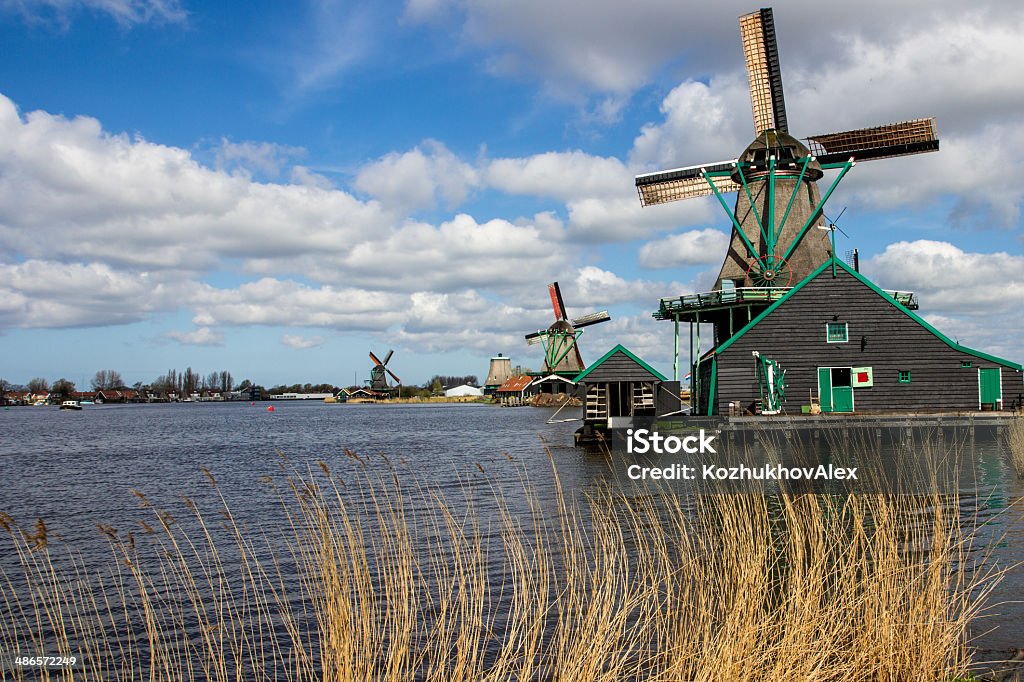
[[276, 189]]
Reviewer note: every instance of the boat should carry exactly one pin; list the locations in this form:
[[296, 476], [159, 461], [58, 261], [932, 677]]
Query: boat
[[70, 405]]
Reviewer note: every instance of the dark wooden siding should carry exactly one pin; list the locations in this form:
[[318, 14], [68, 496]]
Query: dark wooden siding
[[619, 367], [880, 336], [666, 397]]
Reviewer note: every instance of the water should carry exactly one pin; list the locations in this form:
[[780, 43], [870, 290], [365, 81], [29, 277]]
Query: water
[[78, 469]]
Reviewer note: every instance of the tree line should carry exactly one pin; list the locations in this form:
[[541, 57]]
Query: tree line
[[183, 384]]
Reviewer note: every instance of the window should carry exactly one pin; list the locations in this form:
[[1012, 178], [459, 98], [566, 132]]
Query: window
[[967, 364], [904, 376], [836, 332]]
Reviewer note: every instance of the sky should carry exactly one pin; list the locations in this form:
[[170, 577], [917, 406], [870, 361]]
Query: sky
[[276, 189]]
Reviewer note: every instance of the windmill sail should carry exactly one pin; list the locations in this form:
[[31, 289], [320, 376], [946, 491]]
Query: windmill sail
[[556, 301], [895, 139], [683, 183], [757, 32], [592, 318]]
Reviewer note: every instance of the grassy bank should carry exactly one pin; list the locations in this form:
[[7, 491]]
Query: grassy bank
[[377, 578]]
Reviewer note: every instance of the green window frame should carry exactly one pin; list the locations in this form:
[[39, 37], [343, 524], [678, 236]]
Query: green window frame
[[904, 376], [837, 332], [966, 364]]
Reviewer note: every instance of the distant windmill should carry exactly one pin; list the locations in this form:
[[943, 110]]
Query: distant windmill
[[772, 244], [561, 350], [378, 376]]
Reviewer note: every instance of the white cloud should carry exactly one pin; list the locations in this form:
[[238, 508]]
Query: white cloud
[[424, 177], [39, 293], [594, 286], [264, 159], [703, 123], [302, 342], [610, 47], [560, 175], [975, 297], [599, 195], [203, 336], [127, 13], [696, 247], [275, 302], [459, 253], [70, 191], [949, 279]]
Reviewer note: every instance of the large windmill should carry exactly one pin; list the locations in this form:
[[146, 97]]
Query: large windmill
[[776, 176], [379, 384], [561, 350]]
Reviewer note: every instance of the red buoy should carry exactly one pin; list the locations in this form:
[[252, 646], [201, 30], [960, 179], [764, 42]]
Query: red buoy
[[270, 409]]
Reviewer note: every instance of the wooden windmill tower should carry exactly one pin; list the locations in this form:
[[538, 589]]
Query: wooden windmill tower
[[773, 246], [379, 384], [560, 340], [776, 176]]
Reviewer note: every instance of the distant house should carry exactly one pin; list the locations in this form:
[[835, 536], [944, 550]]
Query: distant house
[[17, 397], [462, 391], [554, 384], [360, 394], [515, 390], [124, 395]]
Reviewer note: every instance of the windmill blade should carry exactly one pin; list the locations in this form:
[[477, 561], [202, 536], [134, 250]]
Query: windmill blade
[[393, 375], [757, 33], [895, 139], [682, 183], [593, 318], [376, 360], [387, 358], [533, 339], [556, 301]]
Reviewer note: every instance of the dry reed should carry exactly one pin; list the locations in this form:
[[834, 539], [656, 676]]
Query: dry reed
[[1015, 444], [374, 580]]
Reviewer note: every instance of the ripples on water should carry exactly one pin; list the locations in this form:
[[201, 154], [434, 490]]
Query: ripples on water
[[78, 469]]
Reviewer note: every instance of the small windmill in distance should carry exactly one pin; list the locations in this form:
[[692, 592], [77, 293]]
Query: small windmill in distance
[[378, 377], [561, 348]]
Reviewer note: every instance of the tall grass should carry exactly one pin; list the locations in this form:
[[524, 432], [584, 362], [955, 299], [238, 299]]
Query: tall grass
[[1015, 443], [377, 578]]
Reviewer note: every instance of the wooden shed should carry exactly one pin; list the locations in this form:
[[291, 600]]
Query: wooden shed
[[620, 386]]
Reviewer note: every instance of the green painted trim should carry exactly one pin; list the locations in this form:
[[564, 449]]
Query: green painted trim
[[711, 390], [792, 198], [750, 198], [735, 222], [888, 299], [816, 213], [770, 225], [619, 348]]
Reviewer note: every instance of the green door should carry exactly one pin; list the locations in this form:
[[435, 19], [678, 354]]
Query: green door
[[825, 388], [842, 389], [990, 387], [842, 399]]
